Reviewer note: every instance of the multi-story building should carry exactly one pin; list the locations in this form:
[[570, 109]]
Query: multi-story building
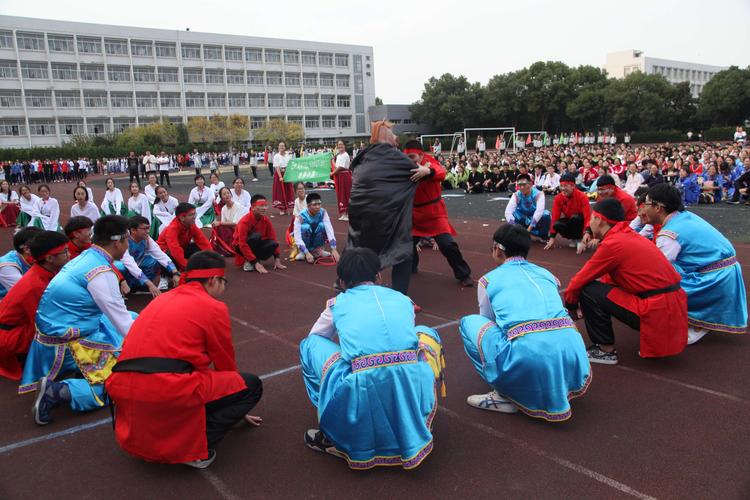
[[400, 116], [59, 79], [621, 64]]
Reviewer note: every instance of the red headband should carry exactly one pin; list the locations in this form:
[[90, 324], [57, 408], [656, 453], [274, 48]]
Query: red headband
[[416, 151], [609, 221], [260, 203], [567, 183], [186, 212], [52, 251], [213, 272]]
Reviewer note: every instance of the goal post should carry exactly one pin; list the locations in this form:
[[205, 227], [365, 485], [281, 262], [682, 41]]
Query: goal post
[[504, 134], [454, 139], [522, 137]]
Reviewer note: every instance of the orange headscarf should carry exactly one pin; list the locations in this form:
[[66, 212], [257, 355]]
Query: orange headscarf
[[377, 127]]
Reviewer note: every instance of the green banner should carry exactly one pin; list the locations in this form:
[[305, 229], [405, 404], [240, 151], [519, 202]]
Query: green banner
[[313, 168]]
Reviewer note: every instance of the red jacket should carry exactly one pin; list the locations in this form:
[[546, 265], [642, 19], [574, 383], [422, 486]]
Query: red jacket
[[566, 206], [429, 216], [161, 417], [74, 250], [628, 203], [17, 314], [634, 265], [177, 236], [245, 227]]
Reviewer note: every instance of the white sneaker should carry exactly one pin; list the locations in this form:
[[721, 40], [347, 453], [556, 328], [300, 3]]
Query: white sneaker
[[202, 464], [163, 283], [300, 256], [344, 217], [573, 244], [695, 334], [492, 402], [248, 267], [255, 179]]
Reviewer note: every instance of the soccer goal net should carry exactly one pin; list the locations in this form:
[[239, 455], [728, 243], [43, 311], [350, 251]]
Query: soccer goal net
[[438, 143], [532, 138], [490, 139]]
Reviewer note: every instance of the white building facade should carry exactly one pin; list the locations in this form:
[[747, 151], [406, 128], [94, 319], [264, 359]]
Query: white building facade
[[621, 64], [59, 79]]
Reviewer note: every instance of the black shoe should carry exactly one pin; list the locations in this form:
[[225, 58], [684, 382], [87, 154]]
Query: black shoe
[[337, 287], [596, 355], [316, 440], [732, 202], [50, 394], [467, 282]]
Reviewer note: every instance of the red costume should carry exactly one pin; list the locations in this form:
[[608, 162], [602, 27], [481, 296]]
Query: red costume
[[568, 206], [282, 194], [634, 265], [177, 236], [343, 183], [430, 217], [247, 225], [161, 417], [74, 250], [9, 214], [627, 202], [17, 314]]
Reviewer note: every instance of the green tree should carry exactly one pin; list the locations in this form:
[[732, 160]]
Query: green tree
[[683, 107], [548, 88], [503, 101], [725, 99], [378, 101], [278, 130], [449, 103], [639, 102], [182, 136], [199, 129]]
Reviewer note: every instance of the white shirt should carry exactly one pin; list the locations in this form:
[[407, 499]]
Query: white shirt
[[233, 214], [149, 163], [48, 211], [9, 197], [9, 275], [513, 204], [551, 181], [216, 188], [150, 192], [299, 206], [632, 183], [280, 161], [115, 198], [163, 162], [140, 205], [165, 211], [89, 211], [153, 250], [105, 290], [243, 198], [343, 161]]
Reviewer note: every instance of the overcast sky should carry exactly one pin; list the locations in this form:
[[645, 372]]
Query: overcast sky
[[413, 41]]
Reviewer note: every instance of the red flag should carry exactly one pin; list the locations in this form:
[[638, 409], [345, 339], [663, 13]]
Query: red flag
[[528, 139], [497, 143], [578, 138]]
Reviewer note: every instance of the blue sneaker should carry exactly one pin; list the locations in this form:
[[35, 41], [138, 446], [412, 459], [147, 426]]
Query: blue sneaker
[[49, 395]]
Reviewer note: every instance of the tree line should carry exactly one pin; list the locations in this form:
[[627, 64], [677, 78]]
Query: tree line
[[555, 97]]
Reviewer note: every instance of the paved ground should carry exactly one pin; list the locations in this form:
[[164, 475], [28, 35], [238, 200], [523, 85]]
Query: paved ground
[[670, 428]]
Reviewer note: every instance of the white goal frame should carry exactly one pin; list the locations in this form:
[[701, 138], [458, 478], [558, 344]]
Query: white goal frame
[[503, 129], [454, 135], [532, 132]]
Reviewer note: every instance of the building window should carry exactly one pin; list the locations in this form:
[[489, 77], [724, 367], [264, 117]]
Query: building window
[[118, 73], [253, 55], [273, 56], [212, 52], [42, 127], [193, 100], [345, 121], [30, 41], [327, 101], [10, 99], [95, 99], [326, 80], [342, 60], [291, 57], [89, 45], [217, 101], [357, 64], [311, 101], [67, 99], [97, 127], [116, 47], [164, 49], [329, 122], [34, 70], [342, 81], [275, 100], [141, 48], [359, 84], [92, 72], [310, 79], [233, 53], [312, 122], [257, 100], [6, 39], [235, 77], [71, 126], [12, 128], [215, 76], [294, 119], [8, 69], [170, 99], [60, 43], [291, 79], [257, 122], [144, 74], [62, 71], [121, 99], [273, 78], [255, 78], [192, 75], [146, 100], [190, 51], [325, 59], [236, 100], [308, 58], [125, 123], [168, 75], [293, 101], [343, 101], [38, 98]]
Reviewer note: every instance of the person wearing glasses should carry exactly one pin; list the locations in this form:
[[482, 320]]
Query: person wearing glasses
[[312, 229], [176, 387], [526, 208]]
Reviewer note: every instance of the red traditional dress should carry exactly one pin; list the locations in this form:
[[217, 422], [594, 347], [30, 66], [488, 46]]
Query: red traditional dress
[[177, 236], [568, 206], [628, 203], [17, 313], [9, 214], [282, 192], [161, 417], [249, 224], [636, 266], [343, 182], [430, 217]]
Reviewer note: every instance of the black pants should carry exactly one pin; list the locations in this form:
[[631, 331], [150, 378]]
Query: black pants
[[197, 171], [270, 169], [255, 172], [742, 182], [164, 174], [236, 170], [224, 413], [571, 228], [400, 276], [134, 175], [598, 311], [263, 249], [449, 248]]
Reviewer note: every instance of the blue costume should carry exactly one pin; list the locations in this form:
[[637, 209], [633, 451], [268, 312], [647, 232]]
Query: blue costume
[[313, 230], [375, 392], [689, 188], [73, 334], [532, 353], [13, 259], [711, 274], [524, 213], [149, 266]]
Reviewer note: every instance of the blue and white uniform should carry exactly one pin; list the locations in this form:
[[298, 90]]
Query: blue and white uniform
[[528, 210], [312, 232], [143, 261], [12, 267]]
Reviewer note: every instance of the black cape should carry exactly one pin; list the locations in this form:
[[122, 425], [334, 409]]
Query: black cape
[[381, 203]]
